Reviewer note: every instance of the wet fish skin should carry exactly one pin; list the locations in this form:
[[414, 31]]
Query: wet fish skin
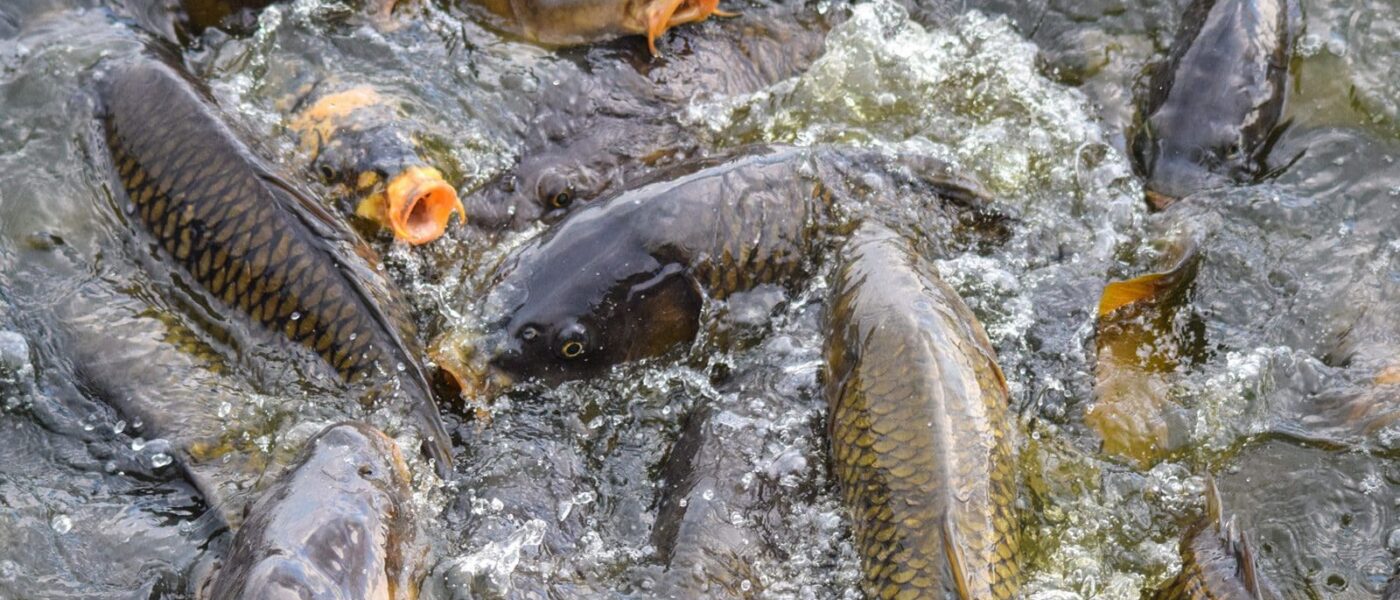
[[339, 524], [599, 130], [920, 436], [1217, 562], [1214, 104], [625, 278], [251, 240], [704, 552]]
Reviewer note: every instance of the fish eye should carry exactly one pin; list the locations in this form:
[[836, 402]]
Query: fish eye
[[573, 342], [572, 349], [555, 191]]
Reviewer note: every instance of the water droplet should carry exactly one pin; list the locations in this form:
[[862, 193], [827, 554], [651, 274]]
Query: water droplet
[[296, 316], [138, 444], [708, 495], [745, 585], [62, 524], [401, 367], [160, 459], [353, 336], [684, 502], [225, 409], [119, 427], [497, 505]]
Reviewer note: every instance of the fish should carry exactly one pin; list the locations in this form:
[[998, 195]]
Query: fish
[[601, 128], [1212, 108], [1217, 562], [626, 278], [256, 243], [709, 535], [921, 442], [339, 524], [181, 22], [355, 137], [575, 22]]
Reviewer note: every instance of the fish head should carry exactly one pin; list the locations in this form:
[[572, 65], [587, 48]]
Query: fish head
[[589, 296], [568, 171], [338, 525]]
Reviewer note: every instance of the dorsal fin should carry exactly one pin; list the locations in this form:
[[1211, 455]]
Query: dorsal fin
[[952, 548], [1214, 510], [1232, 536]]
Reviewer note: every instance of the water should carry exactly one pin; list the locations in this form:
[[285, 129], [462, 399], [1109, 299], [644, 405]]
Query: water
[[1298, 299]]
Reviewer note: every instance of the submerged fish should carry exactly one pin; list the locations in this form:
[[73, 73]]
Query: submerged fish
[[182, 21], [920, 436], [1212, 107], [709, 533], [355, 137], [572, 22], [1216, 561], [626, 278], [254, 242], [340, 524], [600, 128]]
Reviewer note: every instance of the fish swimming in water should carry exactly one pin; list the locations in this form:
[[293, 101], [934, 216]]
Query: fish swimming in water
[[355, 137], [1212, 108], [601, 128], [1217, 562], [339, 524], [254, 242], [921, 442], [709, 534], [573, 22], [626, 278]]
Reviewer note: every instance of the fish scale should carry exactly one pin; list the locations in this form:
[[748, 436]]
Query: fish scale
[[919, 429], [202, 196]]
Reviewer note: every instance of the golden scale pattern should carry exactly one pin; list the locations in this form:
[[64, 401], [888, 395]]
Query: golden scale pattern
[[223, 222], [919, 430]]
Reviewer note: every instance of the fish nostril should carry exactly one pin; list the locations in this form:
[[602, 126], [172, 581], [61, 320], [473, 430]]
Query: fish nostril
[[529, 333]]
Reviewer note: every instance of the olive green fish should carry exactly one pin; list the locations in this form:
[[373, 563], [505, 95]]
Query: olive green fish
[[339, 525], [1216, 561], [920, 437], [255, 242]]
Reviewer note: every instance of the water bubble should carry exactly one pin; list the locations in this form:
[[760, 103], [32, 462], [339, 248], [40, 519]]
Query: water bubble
[[708, 495], [160, 459], [497, 505], [225, 409], [296, 316], [401, 367], [119, 427], [745, 585], [62, 524], [138, 444]]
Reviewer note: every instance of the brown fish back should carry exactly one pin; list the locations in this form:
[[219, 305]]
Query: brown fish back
[[246, 236], [919, 431]]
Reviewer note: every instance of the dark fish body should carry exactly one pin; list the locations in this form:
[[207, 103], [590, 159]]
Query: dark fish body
[[1217, 562], [626, 278], [707, 552], [252, 241], [1213, 105], [181, 21], [338, 525], [598, 130], [920, 436]]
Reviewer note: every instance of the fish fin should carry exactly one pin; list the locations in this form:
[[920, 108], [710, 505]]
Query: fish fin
[[1154, 287], [952, 548], [310, 212], [1118, 294], [436, 442], [1214, 508]]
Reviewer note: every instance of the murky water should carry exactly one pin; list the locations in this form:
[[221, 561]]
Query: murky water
[[1297, 299]]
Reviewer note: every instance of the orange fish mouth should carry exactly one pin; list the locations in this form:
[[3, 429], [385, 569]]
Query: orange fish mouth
[[416, 206], [665, 14]]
